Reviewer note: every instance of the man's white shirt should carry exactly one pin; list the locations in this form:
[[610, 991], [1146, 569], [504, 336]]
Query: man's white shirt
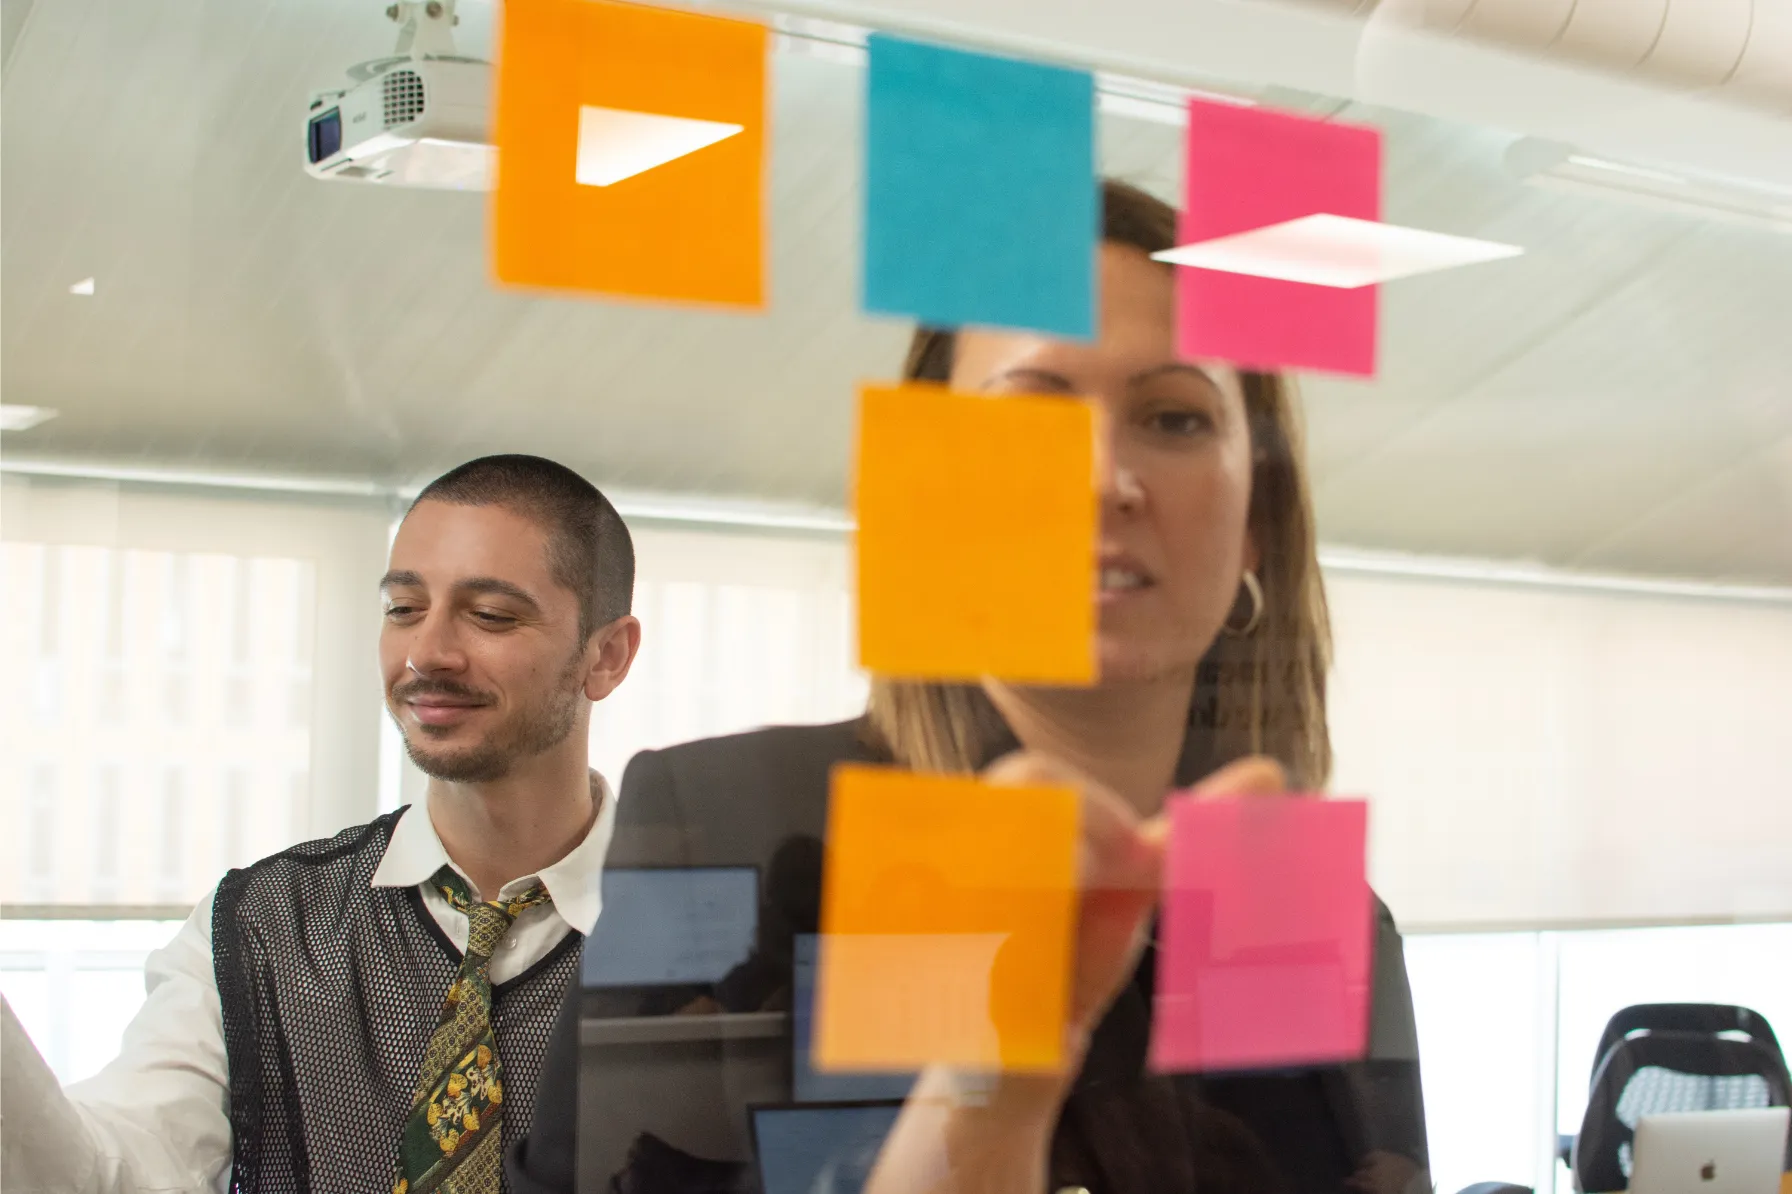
[[157, 1117]]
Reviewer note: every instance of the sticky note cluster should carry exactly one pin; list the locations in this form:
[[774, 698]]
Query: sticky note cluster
[[947, 914], [1266, 935], [977, 526], [948, 924], [632, 142]]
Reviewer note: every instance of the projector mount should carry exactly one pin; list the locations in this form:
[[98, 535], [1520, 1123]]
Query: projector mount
[[425, 30]]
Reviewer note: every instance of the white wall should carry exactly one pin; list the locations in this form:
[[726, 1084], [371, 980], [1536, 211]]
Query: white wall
[[1545, 756]]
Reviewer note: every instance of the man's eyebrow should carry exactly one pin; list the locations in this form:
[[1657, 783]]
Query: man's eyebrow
[[473, 585], [502, 588]]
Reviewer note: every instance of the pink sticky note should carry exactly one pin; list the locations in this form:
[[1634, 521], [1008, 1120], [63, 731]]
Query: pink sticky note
[[1249, 168], [1265, 944]]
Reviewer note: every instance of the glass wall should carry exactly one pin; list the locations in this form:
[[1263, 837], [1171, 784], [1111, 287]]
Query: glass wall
[[1554, 520]]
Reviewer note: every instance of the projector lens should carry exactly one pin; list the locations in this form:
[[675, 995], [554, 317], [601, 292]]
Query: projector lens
[[325, 140]]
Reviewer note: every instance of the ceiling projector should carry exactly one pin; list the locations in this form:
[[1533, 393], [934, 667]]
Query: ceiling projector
[[421, 118]]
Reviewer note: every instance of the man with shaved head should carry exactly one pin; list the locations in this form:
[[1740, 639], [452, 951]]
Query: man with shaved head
[[368, 1012]]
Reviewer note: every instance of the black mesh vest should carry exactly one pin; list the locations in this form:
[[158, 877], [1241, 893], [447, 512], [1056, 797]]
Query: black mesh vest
[[330, 990]]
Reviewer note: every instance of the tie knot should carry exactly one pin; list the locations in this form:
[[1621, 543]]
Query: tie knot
[[487, 921]]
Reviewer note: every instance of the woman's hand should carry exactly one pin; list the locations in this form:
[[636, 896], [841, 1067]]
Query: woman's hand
[[1120, 865], [991, 1134]]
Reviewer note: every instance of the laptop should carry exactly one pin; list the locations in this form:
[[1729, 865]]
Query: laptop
[[1710, 1152], [671, 927], [665, 1082], [807, 1149]]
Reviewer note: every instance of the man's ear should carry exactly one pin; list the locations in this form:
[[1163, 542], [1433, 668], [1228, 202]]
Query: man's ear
[[611, 650]]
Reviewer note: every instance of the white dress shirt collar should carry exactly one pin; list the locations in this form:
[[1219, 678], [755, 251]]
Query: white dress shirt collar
[[415, 853]]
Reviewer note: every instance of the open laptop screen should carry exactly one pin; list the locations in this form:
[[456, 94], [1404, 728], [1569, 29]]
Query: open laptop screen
[[820, 1150], [668, 926]]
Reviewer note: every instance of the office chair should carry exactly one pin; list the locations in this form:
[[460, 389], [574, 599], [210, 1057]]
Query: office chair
[[1662, 1072], [1709, 1019]]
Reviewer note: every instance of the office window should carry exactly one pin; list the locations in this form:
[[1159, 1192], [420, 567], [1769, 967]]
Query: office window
[[41, 839], [167, 711], [1484, 1003], [174, 831], [297, 823], [239, 702], [296, 635], [176, 636], [104, 809], [234, 816], [75, 984], [46, 669], [108, 568], [181, 648]]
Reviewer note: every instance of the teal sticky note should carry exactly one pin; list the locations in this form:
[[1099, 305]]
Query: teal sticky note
[[981, 198]]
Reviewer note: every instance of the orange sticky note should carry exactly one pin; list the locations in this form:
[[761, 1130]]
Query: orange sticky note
[[948, 908], [977, 521], [631, 145]]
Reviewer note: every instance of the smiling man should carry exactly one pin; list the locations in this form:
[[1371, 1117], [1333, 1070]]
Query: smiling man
[[368, 1012]]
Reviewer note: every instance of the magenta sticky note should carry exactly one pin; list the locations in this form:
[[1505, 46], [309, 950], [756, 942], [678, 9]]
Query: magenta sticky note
[[1265, 943], [1249, 168]]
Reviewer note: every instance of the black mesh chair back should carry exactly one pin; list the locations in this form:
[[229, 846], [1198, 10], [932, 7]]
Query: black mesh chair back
[[1662, 1072], [1711, 1019]]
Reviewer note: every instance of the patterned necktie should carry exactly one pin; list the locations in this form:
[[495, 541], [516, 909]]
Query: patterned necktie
[[450, 1138]]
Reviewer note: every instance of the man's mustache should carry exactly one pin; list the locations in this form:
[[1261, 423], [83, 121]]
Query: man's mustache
[[411, 689]]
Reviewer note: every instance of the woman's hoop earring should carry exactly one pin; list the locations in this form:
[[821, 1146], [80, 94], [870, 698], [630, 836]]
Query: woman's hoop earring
[[1254, 587]]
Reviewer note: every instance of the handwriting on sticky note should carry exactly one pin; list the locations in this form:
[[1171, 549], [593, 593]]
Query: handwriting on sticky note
[[976, 544], [947, 916], [1265, 942], [980, 189], [1248, 168], [632, 145]]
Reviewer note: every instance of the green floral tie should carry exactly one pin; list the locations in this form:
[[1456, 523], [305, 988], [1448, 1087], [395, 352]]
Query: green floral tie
[[450, 1141]]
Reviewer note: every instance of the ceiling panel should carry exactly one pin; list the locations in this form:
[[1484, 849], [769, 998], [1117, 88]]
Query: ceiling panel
[[1617, 398]]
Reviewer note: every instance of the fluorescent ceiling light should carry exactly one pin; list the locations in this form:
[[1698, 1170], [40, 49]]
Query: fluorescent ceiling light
[[84, 286], [1336, 251], [1559, 167], [24, 418], [615, 143], [1119, 95]]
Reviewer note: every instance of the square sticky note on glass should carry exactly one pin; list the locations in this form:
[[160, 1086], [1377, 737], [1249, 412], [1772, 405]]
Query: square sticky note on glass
[[1249, 168], [980, 190], [1265, 944], [631, 147], [948, 909], [976, 544]]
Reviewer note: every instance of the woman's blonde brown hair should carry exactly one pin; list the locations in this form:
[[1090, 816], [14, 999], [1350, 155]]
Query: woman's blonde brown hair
[[1261, 693]]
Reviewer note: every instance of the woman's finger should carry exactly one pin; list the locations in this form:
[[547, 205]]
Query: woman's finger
[[1109, 825], [1255, 775], [1252, 777]]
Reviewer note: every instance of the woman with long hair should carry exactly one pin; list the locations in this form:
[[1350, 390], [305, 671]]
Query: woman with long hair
[[1213, 650]]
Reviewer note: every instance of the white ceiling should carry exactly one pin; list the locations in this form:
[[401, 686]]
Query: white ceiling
[[1618, 399]]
